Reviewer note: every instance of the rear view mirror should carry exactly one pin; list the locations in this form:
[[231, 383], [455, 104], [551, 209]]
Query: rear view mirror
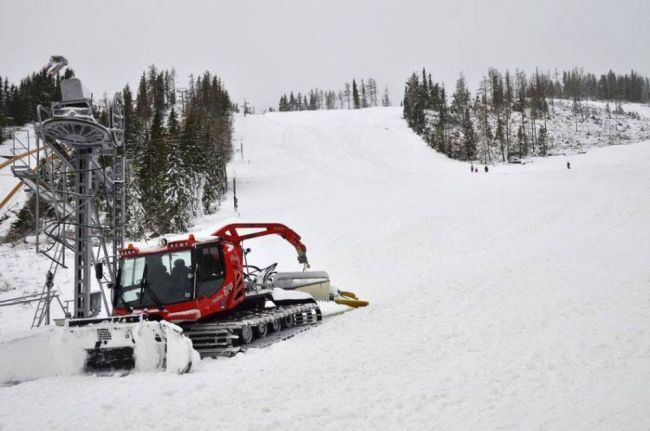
[[99, 270]]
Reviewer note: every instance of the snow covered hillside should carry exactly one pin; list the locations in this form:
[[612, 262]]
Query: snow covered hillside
[[595, 127], [513, 299]]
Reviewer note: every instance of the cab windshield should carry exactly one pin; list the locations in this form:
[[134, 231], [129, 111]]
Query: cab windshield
[[167, 275]]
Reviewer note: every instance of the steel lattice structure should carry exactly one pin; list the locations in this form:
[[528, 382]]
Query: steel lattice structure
[[79, 188]]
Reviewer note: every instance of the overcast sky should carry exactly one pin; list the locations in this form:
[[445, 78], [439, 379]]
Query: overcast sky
[[263, 48]]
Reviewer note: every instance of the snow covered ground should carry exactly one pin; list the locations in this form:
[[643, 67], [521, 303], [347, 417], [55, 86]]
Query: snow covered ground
[[516, 299]]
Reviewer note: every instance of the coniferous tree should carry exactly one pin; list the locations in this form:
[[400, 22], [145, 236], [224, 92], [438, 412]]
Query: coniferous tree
[[143, 106], [313, 101], [469, 136], [292, 102], [177, 183], [542, 141], [460, 101], [372, 92], [484, 125], [212, 122], [152, 173], [355, 95], [385, 100], [347, 94], [497, 101], [521, 105], [441, 126], [284, 104], [134, 225], [414, 105], [159, 94], [509, 99], [132, 123], [522, 140]]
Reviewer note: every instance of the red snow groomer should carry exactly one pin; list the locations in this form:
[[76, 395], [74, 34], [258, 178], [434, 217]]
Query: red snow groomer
[[207, 288]]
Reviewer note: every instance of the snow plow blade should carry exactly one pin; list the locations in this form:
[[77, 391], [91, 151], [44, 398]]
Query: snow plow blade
[[131, 343], [95, 346]]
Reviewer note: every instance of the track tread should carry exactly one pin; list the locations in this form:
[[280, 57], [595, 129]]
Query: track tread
[[220, 338]]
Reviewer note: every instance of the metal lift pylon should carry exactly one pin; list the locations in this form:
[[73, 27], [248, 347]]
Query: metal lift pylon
[[79, 176]]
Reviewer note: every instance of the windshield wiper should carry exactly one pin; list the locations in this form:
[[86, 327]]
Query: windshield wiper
[[144, 285]]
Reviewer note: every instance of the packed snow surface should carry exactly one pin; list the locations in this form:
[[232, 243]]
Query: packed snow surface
[[514, 299]]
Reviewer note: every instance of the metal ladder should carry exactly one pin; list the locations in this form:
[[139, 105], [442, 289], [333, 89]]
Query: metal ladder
[[43, 305]]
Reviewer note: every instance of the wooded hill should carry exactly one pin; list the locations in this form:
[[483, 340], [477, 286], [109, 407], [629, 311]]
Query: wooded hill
[[508, 115]]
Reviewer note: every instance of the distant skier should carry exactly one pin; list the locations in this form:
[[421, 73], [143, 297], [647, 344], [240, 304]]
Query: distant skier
[[471, 167], [486, 169], [568, 165]]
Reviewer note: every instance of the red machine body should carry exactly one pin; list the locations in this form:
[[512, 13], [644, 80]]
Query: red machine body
[[203, 297]]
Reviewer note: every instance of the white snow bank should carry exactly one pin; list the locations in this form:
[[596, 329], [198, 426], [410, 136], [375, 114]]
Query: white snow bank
[[43, 352]]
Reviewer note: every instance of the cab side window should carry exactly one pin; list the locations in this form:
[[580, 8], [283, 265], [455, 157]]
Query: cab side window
[[209, 274]]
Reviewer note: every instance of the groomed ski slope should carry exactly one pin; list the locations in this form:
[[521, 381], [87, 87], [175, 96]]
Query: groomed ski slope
[[516, 299]]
